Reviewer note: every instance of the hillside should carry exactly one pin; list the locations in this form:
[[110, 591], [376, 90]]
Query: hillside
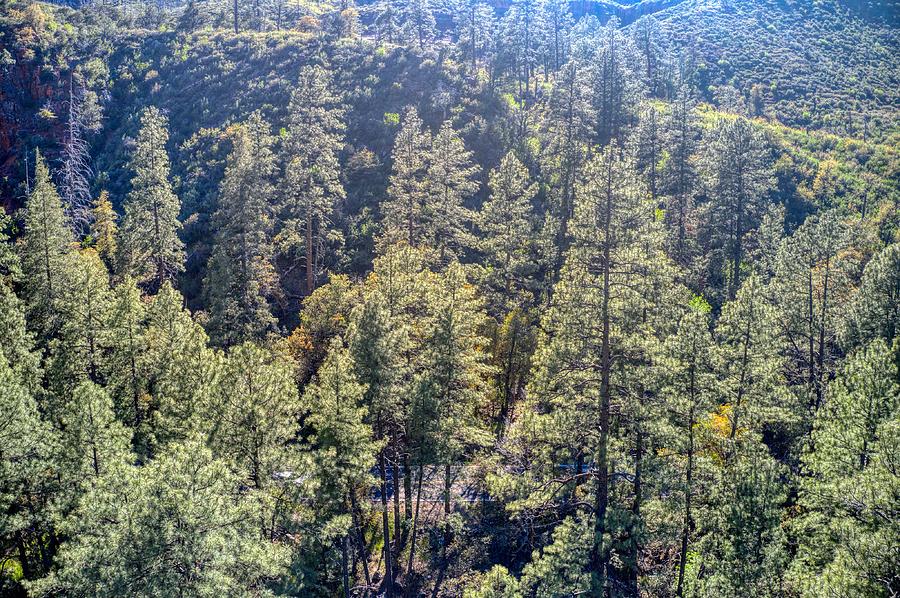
[[408, 298], [822, 65]]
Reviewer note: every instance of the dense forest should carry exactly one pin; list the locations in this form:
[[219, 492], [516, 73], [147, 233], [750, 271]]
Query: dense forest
[[458, 298]]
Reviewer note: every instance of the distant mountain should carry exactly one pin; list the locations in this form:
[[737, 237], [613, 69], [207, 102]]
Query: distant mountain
[[824, 64]]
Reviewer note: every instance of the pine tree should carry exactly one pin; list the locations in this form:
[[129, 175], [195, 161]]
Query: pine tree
[[813, 273], [738, 176], [748, 359], [241, 276], [521, 37], [180, 371], [404, 210], [28, 474], [150, 249], [312, 172], [79, 351], [507, 232], [679, 176], [46, 244], [568, 126], [450, 181], [125, 366], [176, 526], [689, 390], [93, 442], [617, 89], [475, 22], [646, 35], [556, 19], [610, 286], [343, 445], [558, 570], [454, 381], [19, 343], [874, 310], [744, 542], [104, 229], [850, 488], [378, 347], [418, 23], [251, 418]]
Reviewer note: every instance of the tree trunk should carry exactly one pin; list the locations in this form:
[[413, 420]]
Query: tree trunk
[[686, 527], [360, 540], [407, 489], [395, 487], [412, 538], [601, 499], [344, 568], [388, 568], [310, 282]]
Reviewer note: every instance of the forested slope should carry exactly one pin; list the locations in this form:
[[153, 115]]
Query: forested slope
[[466, 299]]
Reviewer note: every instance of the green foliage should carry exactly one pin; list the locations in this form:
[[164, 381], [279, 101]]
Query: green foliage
[[45, 247], [615, 324], [241, 273], [150, 249], [174, 526], [845, 540]]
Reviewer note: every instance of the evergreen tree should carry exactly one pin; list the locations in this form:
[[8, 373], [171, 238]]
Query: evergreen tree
[[749, 365], [343, 446], [150, 249], [812, 278], [689, 390], [46, 244], [125, 366], [556, 20], [475, 22], [79, 351], [507, 231], [418, 23], [679, 176], [744, 540], [648, 148], [104, 229], [405, 208], [28, 484], [738, 176], [19, 343], [847, 535], [312, 172], [377, 346], [241, 275], [93, 442], [874, 310], [608, 290], [450, 181], [180, 371], [617, 90], [176, 526], [453, 383], [253, 414], [568, 126]]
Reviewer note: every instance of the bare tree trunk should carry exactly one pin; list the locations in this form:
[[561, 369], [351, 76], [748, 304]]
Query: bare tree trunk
[[412, 538], [360, 540], [686, 527], [388, 568], [344, 569]]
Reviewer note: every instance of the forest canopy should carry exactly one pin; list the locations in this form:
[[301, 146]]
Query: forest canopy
[[473, 299]]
